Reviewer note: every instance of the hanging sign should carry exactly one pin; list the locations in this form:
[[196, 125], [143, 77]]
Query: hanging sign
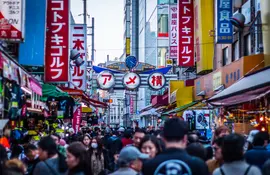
[[131, 80], [57, 41], [78, 40], [156, 80], [105, 80], [173, 31], [224, 26]]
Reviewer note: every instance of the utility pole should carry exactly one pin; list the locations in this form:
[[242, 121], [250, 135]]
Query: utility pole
[[84, 11]]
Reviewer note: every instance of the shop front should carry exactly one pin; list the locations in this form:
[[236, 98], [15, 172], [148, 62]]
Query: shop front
[[247, 102]]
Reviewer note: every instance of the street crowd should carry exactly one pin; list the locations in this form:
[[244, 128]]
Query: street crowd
[[174, 150]]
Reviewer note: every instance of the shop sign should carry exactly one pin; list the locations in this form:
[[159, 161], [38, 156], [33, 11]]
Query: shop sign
[[246, 11], [78, 42], [224, 27], [106, 80], [169, 62], [57, 41], [131, 112], [156, 80], [258, 5], [24, 79], [76, 121], [88, 79], [173, 31], [217, 80], [35, 87], [186, 33], [12, 19], [173, 97], [131, 80]]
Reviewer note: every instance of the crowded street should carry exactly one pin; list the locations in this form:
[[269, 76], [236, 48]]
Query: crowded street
[[134, 87]]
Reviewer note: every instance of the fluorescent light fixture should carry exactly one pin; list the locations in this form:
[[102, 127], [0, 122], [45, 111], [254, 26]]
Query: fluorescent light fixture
[[26, 90]]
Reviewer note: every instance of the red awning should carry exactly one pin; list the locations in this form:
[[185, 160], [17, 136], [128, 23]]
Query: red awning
[[85, 98]]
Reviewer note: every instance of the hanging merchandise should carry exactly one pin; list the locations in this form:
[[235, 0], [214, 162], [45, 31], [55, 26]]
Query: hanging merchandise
[[14, 101]]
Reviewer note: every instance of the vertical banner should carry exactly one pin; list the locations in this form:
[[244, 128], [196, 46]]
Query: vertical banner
[[131, 112], [224, 26], [173, 31], [12, 19], [78, 42], [57, 41], [186, 33], [77, 116], [88, 78]]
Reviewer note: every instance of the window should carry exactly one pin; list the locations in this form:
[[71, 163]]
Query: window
[[163, 27], [225, 56], [235, 51], [161, 2], [247, 44]]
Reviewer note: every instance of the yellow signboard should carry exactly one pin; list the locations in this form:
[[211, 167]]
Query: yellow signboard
[[169, 62], [127, 46], [204, 43]]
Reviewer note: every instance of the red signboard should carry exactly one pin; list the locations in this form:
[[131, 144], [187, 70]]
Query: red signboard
[[186, 33], [76, 121], [57, 41]]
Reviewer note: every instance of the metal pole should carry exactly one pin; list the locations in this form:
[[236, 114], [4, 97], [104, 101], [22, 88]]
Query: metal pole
[[84, 11], [93, 39], [128, 3]]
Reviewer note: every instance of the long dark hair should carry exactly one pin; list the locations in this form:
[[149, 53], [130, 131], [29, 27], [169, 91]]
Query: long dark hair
[[77, 149], [99, 148], [49, 145]]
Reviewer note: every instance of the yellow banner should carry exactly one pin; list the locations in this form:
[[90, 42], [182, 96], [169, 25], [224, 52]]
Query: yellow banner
[[127, 46], [204, 41]]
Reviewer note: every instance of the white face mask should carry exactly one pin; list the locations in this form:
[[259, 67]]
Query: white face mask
[[94, 145]]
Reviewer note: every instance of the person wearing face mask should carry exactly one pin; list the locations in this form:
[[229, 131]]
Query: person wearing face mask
[[98, 157]]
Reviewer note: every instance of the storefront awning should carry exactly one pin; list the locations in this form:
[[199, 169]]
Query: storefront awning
[[49, 90], [251, 87], [151, 112], [181, 108]]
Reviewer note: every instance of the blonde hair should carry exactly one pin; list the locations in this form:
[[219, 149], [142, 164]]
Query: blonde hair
[[17, 165]]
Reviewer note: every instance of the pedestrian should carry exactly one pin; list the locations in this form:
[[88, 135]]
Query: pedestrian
[[150, 145], [77, 159], [258, 155], [130, 161], [217, 161], [138, 136], [114, 146], [52, 162], [250, 138], [220, 132], [175, 158], [86, 141], [60, 148], [3, 157], [233, 157], [126, 140], [72, 136], [98, 157], [197, 150], [32, 158], [16, 165]]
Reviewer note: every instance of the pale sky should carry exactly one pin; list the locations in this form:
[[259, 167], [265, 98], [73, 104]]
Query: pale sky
[[109, 26]]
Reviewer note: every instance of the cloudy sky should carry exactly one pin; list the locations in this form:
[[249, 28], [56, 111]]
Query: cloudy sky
[[109, 26]]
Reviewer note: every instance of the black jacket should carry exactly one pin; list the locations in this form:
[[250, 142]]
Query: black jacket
[[257, 156], [176, 160]]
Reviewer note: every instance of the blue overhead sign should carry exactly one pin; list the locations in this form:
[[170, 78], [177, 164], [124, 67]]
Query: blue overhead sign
[[224, 29]]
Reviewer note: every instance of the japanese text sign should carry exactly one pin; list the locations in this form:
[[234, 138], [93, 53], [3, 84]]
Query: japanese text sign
[[77, 117], [105, 80], [78, 42], [186, 33], [224, 26], [156, 80], [11, 19], [173, 31], [57, 41], [131, 80]]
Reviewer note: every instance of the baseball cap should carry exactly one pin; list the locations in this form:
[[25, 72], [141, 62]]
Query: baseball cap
[[129, 154], [251, 135], [121, 129]]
